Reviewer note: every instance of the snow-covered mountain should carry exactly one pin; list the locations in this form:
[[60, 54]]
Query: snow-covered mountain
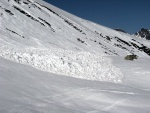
[[37, 24], [143, 33], [39, 42]]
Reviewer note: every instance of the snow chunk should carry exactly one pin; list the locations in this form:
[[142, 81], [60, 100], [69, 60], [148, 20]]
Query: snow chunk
[[83, 65]]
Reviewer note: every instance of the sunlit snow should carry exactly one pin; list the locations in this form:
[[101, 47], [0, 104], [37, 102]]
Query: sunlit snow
[[54, 62]]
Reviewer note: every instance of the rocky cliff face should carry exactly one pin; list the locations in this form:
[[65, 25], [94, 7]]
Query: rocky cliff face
[[143, 33]]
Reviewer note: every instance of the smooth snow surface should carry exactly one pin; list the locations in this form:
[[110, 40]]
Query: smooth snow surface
[[39, 43]]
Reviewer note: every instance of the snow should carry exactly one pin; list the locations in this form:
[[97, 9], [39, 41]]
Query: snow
[[138, 69], [64, 31], [26, 89], [54, 62], [76, 64]]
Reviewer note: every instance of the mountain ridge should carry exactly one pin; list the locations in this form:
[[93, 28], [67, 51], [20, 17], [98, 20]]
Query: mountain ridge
[[143, 33]]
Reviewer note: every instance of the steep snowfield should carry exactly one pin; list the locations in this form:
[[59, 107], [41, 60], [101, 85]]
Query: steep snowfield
[[39, 43], [53, 42], [70, 45], [34, 23]]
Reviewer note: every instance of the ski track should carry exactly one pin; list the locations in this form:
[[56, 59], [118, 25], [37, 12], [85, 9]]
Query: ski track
[[119, 102]]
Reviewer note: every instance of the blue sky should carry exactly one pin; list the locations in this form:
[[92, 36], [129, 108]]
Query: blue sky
[[129, 15]]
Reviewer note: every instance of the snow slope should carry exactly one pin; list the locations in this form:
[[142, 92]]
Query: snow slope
[[27, 90], [52, 42], [39, 43], [38, 26], [34, 23]]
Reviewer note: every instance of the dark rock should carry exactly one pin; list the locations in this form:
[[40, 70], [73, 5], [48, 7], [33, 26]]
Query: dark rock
[[120, 30], [144, 33], [130, 57]]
